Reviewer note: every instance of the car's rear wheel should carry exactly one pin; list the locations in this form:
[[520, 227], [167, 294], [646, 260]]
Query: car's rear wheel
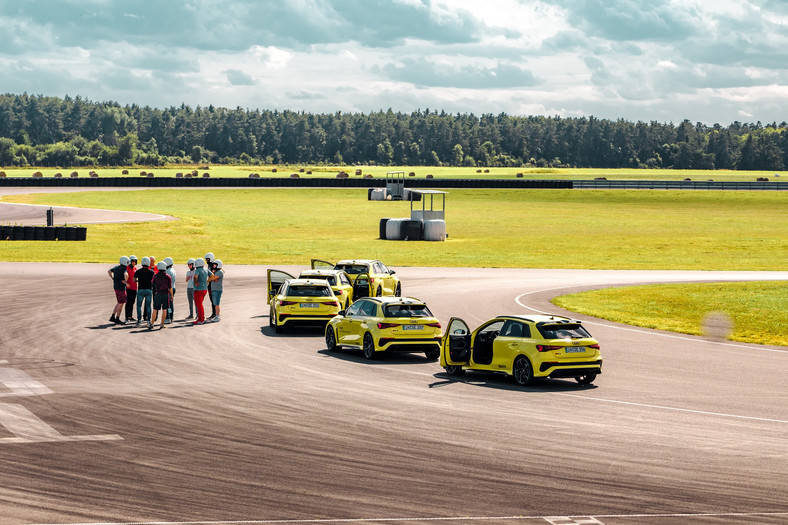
[[272, 320], [331, 340], [522, 371], [398, 292], [432, 355], [586, 379], [369, 346], [454, 370]]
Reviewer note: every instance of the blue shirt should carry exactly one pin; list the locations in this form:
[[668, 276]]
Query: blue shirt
[[202, 279]]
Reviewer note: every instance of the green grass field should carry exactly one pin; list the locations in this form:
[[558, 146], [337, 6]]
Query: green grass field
[[759, 310], [419, 171]]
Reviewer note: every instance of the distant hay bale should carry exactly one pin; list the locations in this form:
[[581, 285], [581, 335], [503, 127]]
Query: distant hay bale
[[57, 175], [687, 178], [368, 176], [2, 174], [179, 175], [294, 176], [309, 172], [93, 175], [204, 167], [762, 179], [195, 173], [486, 171], [38, 175], [74, 175], [301, 170], [124, 172], [519, 175], [150, 175], [254, 175], [600, 178], [358, 172], [206, 175], [429, 175], [187, 176], [478, 171], [143, 174], [412, 174], [273, 170], [342, 175]]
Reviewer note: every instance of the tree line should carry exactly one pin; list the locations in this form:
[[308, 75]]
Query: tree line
[[64, 132]]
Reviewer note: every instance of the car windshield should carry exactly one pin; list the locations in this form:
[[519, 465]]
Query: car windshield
[[308, 290], [562, 331], [406, 310], [352, 269], [329, 278]]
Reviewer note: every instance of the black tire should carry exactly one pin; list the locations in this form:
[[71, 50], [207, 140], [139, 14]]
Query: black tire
[[331, 340], [432, 355], [379, 291], [369, 347], [522, 371], [454, 370], [586, 379], [272, 321], [398, 291]]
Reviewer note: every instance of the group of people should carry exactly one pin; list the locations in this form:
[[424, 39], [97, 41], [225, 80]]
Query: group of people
[[153, 284]]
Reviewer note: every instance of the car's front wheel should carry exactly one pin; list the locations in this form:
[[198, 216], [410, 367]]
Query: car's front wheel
[[369, 347], [522, 371], [586, 379], [432, 355], [272, 320], [454, 370], [331, 340]]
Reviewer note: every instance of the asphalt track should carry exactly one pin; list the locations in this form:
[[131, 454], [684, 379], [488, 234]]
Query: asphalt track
[[230, 423]]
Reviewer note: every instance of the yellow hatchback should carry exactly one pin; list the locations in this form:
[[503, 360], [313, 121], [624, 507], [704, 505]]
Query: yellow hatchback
[[369, 277], [379, 324], [299, 301], [526, 347]]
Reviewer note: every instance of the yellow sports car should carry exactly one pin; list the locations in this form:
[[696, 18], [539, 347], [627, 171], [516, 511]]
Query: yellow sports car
[[380, 324], [339, 282], [525, 347], [370, 278], [299, 301]]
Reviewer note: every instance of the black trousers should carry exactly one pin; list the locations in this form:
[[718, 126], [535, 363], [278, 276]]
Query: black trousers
[[131, 300]]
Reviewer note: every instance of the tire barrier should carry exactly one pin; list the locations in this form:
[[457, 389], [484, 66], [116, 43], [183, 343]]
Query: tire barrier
[[378, 194], [43, 233], [383, 228], [394, 229], [412, 230], [435, 230]]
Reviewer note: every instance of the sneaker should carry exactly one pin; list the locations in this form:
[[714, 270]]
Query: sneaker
[[162, 327], [112, 319], [131, 320], [118, 321], [150, 326], [198, 322], [216, 319], [189, 317]]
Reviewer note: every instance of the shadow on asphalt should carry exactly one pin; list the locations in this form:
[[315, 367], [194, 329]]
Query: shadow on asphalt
[[504, 382], [396, 358]]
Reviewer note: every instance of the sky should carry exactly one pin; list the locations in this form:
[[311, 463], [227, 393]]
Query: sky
[[709, 61]]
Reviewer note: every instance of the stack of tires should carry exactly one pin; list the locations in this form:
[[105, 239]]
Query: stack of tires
[[435, 230], [43, 233]]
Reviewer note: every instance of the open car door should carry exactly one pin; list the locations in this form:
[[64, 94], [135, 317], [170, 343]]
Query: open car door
[[361, 286], [317, 264], [456, 347], [275, 280]]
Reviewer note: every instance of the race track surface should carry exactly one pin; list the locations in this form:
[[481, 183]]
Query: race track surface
[[230, 423]]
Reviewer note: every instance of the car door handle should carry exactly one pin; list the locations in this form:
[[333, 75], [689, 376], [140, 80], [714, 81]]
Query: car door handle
[[513, 345]]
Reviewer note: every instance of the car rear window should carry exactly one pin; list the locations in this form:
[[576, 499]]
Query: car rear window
[[329, 278], [307, 290], [352, 269], [406, 310], [562, 331]]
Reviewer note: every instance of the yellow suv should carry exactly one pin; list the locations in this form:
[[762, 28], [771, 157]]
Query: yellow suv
[[525, 347], [380, 324], [371, 278], [299, 301]]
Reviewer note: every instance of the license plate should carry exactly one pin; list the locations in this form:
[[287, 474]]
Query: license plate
[[575, 349], [413, 327], [310, 305]]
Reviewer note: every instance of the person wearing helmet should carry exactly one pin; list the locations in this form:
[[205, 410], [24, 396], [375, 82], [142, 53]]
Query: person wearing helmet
[[119, 277], [131, 289], [171, 272], [162, 294], [200, 289], [216, 282], [144, 278], [209, 258], [190, 287]]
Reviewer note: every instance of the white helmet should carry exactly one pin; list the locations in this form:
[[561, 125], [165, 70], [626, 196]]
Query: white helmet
[[124, 261], [218, 263], [161, 266], [209, 256], [145, 261], [133, 258], [168, 261], [199, 263], [190, 261]]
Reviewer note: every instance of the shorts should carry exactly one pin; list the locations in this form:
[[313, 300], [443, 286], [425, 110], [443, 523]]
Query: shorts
[[120, 295], [216, 295], [161, 301]]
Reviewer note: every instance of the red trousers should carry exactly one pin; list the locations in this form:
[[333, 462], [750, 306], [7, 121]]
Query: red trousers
[[199, 296]]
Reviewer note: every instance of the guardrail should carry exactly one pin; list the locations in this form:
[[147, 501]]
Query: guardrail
[[282, 182]]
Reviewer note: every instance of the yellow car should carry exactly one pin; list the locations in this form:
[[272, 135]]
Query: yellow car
[[380, 324], [299, 301], [525, 347], [339, 282], [370, 277]]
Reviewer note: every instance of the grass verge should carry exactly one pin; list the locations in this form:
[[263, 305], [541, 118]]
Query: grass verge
[[759, 310]]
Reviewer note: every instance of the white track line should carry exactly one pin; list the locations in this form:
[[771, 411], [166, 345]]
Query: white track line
[[449, 518], [640, 331]]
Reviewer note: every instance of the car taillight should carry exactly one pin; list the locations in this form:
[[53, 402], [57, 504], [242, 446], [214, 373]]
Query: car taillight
[[383, 326], [547, 348], [332, 303], [596, 345], [434, 325], [286, 303]]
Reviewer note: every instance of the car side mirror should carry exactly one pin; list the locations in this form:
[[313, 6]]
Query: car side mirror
[[272, 292], [392, 272], [342, 313]]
